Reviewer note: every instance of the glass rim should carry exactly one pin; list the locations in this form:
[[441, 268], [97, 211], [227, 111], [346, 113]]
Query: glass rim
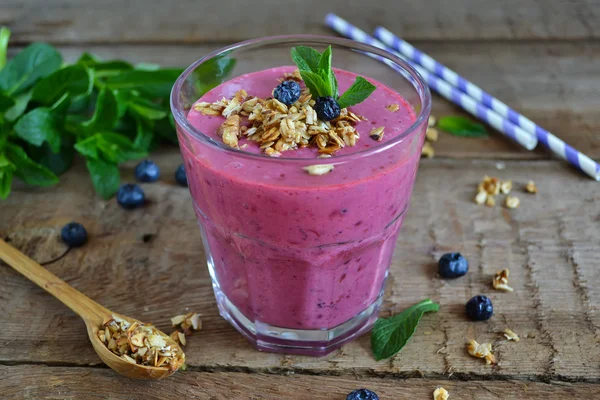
[[421, 88]]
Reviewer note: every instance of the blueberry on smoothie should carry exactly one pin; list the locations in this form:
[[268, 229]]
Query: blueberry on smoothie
[[130, 196], [287, 92], [147, 171], [327, 108], [362, 394], [74, 234], [452, 265], [479, 308], [180, 176]]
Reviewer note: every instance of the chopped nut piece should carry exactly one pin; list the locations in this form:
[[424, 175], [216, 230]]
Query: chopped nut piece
[[177, 320], [427, 150], [440, 394], [506, 186], [490, 201], [500, 281], [531, 188], [510, 335], [481, 197], [483, 350], [431, 134], [432, 121], [393, 107], [140, 343], [377, 133], [230, 130], [319, 169], [490, 184], [512, 202], [181, 338]]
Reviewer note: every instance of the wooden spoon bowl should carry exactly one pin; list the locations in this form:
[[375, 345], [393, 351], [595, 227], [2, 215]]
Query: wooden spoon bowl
[[93, 314]]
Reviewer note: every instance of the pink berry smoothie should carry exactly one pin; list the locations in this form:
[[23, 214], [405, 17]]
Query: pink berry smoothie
[[293, 250]]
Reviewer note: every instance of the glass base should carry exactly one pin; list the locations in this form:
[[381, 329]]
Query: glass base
[[311, 342]]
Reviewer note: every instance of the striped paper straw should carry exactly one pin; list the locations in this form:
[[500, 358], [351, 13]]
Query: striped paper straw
[[457, 97], [556, 145]]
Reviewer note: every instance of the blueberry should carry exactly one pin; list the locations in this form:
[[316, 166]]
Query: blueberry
[[180, 176], [74, 234], [362, 394], [452, 265], [327, 108], [479, 308], [287, 92], [130, 196], [147, 171]]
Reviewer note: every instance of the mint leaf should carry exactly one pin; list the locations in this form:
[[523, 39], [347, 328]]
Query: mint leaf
[[62, 105], [105, 177], [6, 176], [111, 147], [306, 58], [146, 108], [4, 36], [146, 66], [391, 334], [121, 96], [152, 83], [28, 170], [19, 107], [55, 162], [144, 135], [315, 83], [6, 102], [460, 126], [34, 62], [326, 72], [213, 72], [74, 79], [105, 115], [38, 126], [357, 93], [88, 147]]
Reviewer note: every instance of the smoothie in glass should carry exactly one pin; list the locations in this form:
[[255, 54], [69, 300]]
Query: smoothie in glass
[[299, 260]]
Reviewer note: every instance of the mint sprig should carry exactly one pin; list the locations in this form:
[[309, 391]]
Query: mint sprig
[[108, 112], [460, 126], [318, 76], [391, 334]]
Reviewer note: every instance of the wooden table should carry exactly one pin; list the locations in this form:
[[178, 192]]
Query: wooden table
[[543, 58]]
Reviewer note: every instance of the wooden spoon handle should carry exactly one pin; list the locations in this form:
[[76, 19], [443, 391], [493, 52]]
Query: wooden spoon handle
[[85, 307]]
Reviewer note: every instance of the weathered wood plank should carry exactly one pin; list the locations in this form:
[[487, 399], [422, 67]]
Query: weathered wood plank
[[556, 84], [149, 264], [76, 21], [41, 382]]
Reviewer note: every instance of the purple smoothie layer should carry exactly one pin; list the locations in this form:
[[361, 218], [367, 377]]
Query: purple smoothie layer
[[293, 250]]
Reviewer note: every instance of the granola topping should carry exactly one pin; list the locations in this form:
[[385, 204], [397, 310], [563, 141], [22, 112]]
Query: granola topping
[[319, 169], [440, 394], [276, 127], [393, 107], [377, 133], [483, 350], [500, 281], [140, 343]]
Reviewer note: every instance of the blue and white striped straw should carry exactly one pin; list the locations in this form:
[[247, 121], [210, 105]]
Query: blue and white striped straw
[[556, 145], [457, 97]]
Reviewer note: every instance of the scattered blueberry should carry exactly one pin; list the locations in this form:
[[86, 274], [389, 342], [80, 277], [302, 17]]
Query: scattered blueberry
[[74, 234], [147, 171], [452, 265], [479, 308], [362, 394], [327, 108], [130, 196], [287, 92], [180, 176]]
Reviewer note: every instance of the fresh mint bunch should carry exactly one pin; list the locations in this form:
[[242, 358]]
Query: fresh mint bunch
[[318, 76], [108, 112]]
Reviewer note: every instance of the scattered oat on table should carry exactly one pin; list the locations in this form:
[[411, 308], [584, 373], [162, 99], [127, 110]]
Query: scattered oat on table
[[510, 335], [500, 281], [432, 121], [431, 134], [530, 187], [140, 343], [440, 394], [188, 323], [512, 202], [490, 201], [427, 150], [483, 350]]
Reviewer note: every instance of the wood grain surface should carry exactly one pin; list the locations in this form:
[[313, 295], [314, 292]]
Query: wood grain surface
[[189, 21]]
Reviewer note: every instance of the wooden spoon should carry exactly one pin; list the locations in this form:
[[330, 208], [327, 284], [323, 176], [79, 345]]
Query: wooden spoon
[[92, 313]]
